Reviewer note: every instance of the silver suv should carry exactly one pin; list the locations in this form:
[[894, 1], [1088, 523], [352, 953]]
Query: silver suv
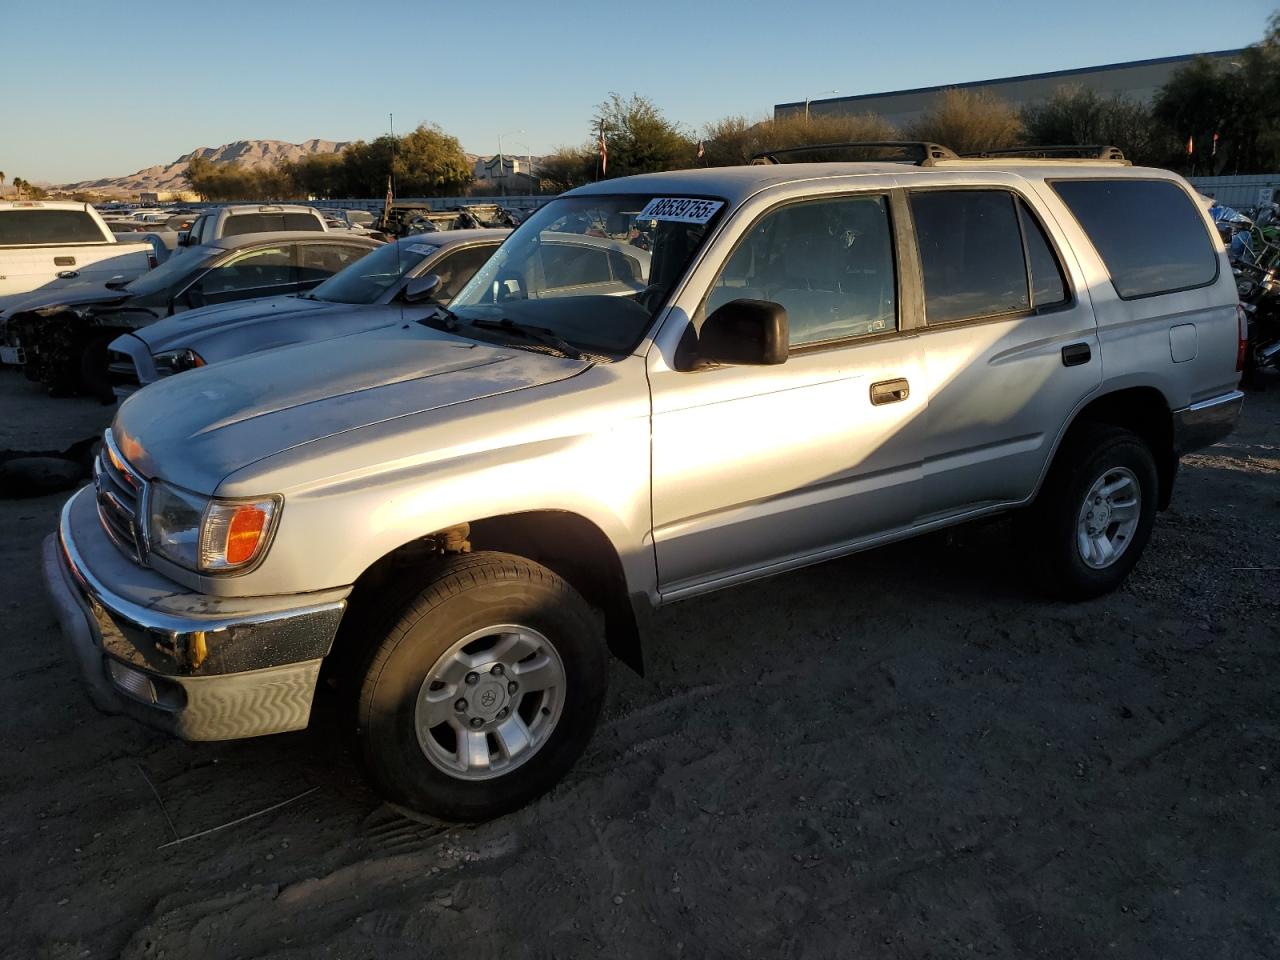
[[728, 374]]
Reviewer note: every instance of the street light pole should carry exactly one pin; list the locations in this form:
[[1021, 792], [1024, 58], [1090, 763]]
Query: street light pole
[[814, 96], [502, 161], [528, 152]]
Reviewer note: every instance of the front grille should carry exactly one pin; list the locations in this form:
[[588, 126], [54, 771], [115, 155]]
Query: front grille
[[119, 490]]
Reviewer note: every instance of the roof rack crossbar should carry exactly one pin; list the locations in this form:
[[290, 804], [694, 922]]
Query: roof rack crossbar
[[1079, 151], [923, 153]]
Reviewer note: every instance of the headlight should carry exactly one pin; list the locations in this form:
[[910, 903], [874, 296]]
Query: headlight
[[208, 534], [176, 361]]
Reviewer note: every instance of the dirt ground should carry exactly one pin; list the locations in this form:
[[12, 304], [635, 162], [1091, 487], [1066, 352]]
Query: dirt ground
[[901, 754]]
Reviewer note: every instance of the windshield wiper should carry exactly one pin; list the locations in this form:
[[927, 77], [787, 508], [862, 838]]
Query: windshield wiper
[[443, 319], [539, 334]]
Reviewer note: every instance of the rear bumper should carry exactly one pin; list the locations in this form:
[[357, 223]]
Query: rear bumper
[[1205, 423], [202, 668]]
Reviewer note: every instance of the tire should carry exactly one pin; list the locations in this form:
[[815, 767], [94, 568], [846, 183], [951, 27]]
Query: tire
[[421, 764], [1095, 454], [91, 365]]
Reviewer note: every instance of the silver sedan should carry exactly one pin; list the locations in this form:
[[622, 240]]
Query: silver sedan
[[371, 292]]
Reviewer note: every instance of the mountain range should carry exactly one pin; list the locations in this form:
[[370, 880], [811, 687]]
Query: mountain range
[[172, 176]]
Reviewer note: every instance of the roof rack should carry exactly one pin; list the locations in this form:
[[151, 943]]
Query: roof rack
[[920, 152], [1078, 151]]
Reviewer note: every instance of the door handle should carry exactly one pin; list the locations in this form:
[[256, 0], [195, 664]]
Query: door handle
[[889, 391], [64, 261], [1074, 354]]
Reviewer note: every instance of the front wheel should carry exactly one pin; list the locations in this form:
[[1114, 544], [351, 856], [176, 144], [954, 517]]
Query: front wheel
[[484, 692], [1093, 518]]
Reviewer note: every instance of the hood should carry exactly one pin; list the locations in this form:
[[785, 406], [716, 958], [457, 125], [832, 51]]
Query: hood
[[71, 295], [196, 429], [180, 329]]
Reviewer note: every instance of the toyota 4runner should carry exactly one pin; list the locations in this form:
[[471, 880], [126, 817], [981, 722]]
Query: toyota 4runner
[[456, 518]]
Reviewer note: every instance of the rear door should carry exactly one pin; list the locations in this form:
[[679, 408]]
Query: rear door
[[1009, 342]]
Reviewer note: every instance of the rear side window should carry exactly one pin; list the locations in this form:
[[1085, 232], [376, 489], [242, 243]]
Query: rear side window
[[1047, 285], [20, 228], [1148, 233], [971, 254]]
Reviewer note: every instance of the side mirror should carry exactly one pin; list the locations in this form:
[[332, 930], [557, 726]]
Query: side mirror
[[745, 333], [421, 288], [194, 296]]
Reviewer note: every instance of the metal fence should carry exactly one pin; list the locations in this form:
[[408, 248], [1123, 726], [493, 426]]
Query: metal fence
[[1243, 191], [521, 203]]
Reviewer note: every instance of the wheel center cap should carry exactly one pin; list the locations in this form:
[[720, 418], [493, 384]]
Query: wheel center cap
[[1102, 516], [489, 698]]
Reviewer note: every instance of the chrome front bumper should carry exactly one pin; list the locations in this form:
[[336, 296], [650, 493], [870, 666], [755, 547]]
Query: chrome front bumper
[[1205, 423], [200, 667]]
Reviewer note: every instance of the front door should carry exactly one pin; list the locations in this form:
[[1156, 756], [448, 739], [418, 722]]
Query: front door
[[760, 468]]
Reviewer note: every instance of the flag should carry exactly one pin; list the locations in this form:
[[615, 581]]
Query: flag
[[1213, 150], [604, 154], [386, 208], [701, 150], [1191, 145]]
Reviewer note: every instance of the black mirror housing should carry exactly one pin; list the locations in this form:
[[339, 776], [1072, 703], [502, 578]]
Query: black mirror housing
[[421, 288], [745, 333]]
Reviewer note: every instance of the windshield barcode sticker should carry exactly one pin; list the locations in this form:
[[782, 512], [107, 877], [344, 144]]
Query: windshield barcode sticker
[[423, 249], [680, 209]]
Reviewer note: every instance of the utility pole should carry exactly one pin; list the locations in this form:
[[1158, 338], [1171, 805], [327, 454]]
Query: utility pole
[[814, 96]]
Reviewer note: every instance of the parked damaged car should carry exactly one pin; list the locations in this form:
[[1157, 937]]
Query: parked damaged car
[[61, 339], [371, 292]]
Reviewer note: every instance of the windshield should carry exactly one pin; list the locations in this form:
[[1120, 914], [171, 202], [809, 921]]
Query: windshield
[[174, 272], [370, 277], [592, 270]]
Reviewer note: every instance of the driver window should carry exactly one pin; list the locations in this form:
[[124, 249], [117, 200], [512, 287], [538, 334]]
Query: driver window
[[828, 262], [455, 269], [269, 267]]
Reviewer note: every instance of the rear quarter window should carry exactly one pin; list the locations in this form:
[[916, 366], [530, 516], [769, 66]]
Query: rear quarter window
[[1149, 234], [19, 228]]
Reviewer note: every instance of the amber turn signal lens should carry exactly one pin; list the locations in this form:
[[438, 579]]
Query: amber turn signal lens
[[243, 533]]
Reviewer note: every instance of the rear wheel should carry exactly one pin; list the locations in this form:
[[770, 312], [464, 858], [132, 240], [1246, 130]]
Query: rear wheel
[[1093, 518], [484, 692]]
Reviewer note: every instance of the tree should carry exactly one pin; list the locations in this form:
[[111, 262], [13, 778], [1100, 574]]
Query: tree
[[968, 122], [1075, 115], [320, 175], [566, 168], [232, 181], [426, 162], [639, 138], [734, 140]]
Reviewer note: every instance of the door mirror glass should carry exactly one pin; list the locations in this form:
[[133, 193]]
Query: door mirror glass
[[184, 238], [745, 333], [421, 288]]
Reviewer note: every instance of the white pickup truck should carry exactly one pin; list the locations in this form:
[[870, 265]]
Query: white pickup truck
[[43, 242]]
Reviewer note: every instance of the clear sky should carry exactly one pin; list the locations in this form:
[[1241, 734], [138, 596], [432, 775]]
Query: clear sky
[[94, 88]]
